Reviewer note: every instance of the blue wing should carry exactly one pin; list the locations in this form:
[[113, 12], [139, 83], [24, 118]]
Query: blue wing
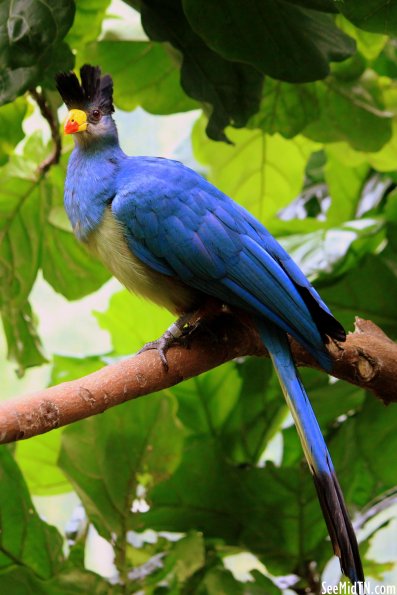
[[180, 225]]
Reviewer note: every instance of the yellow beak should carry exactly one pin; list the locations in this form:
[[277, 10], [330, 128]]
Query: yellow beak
[[76, 121]]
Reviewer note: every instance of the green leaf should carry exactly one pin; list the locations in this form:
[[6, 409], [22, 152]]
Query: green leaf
[[37, 459], [132, 322], [30, 38], [11, 117], [67, 265], [220, 581], [369, 45], [241, 506], [232, 89], [238, 403], [379, 16], [22, 213], [24, 539], [24, 345], [149, 78], [362, 474], [263, 173], [71, 581], [352, 111], [355, 295], [285, 108], [328, 253], [188, 556], [300, 51], [87, 22], [66, 368], [106, 457], [345, 184]]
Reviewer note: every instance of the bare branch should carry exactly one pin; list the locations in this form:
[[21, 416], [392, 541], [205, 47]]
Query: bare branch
[[52, 119], [368, 359]]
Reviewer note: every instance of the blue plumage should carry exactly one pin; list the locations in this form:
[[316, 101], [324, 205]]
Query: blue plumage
[[167, 233]]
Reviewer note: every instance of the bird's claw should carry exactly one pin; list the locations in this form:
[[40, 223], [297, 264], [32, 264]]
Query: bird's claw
[[161, 345]]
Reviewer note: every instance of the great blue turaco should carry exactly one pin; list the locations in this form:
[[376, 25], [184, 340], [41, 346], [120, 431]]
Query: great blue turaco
[[170, 235]]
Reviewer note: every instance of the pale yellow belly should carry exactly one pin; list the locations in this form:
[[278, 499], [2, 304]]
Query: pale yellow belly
[[109, 245]]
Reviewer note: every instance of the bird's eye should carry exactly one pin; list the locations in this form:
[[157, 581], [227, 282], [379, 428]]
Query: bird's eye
[[96, 114]]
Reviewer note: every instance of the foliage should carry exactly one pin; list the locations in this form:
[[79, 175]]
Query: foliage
[[306, 92]]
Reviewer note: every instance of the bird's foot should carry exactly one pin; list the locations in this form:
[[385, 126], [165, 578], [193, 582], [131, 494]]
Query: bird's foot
[[178, 332], [161, 345], [181, 330]]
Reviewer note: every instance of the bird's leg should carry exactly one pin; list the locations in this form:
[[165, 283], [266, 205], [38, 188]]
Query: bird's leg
[[183, 327], [174, 332]]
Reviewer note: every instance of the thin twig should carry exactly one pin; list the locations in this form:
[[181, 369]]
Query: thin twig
[[50, 115]]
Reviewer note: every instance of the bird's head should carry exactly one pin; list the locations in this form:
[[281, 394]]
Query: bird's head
[[90, 104]]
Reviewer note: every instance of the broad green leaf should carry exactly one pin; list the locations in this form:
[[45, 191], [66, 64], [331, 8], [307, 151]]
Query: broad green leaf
[[345, 184], [67, 265], [379, 16], [106, 457], [37, 459], [285, 108], [11, 132], [132, 322], [87, 22], [65, 368], [263, 173], [241, 506], [237, 403], [24, 539], [149, 78], [231, 89], [305, 42], [368, 290], [30, 44], [352, 111], [22, 213], [363, 475], [24, 345]]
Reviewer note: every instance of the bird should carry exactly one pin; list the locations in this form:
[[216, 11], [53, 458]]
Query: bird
[[171, 236]]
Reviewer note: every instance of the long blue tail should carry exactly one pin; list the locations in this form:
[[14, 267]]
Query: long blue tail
[[317, 456]]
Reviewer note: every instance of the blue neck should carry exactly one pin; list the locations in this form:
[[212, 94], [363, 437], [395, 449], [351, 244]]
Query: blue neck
[[91, 182]]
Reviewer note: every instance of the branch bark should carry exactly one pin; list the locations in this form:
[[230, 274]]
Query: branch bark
[[368, 359]]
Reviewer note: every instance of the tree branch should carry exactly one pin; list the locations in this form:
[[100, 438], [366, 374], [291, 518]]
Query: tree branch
[[52, 119], [368, 359]]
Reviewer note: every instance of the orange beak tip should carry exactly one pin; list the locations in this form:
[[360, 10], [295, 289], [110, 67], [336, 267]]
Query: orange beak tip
[[71, 127]]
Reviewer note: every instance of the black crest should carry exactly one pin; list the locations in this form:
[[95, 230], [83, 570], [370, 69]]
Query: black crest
[[94, 90]]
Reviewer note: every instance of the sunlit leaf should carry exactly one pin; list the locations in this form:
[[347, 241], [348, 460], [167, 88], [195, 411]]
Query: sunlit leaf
[[149, 78], [132, 322], [263, 173]]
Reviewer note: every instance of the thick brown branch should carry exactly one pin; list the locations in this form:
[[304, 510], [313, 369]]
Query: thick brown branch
[[52, 119], [367, 359]]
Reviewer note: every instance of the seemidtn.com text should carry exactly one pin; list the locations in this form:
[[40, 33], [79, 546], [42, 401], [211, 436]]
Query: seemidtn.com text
[[365, 588]]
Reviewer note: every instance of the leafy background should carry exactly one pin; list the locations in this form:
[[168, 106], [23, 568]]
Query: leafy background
[[200, 488]]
